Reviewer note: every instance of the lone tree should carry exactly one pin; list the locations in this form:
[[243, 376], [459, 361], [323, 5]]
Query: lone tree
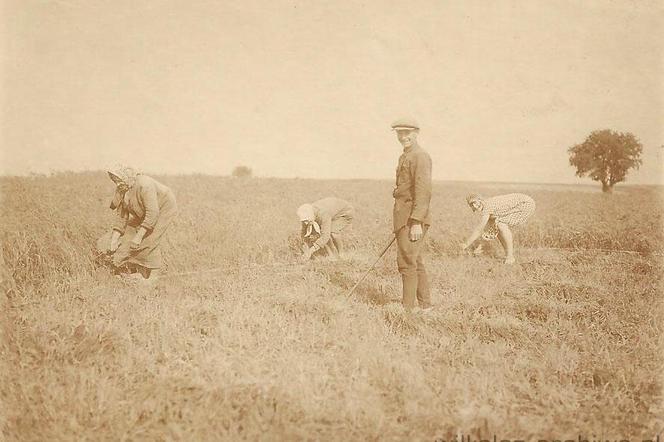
[[242, 172], [606, 156]]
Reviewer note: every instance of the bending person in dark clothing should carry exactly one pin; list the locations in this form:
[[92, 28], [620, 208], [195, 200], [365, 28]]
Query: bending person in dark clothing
[[145, 209]]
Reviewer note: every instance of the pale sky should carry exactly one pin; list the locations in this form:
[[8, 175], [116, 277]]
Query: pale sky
[[501, 89]]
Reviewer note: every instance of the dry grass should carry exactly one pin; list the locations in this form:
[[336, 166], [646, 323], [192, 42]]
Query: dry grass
[[562, 345]]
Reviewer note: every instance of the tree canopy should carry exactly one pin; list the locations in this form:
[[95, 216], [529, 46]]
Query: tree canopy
[[242, 172], [606, 156]]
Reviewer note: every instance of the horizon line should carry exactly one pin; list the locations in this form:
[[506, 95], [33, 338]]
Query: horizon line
[[88, 172]]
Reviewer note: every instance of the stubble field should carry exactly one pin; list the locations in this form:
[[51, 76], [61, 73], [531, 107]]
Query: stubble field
[[240, 341]]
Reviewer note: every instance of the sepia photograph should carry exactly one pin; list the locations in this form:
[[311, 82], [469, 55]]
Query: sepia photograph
[[353, 220]]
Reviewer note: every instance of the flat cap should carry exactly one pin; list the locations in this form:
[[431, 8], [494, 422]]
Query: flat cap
[[405, 123]]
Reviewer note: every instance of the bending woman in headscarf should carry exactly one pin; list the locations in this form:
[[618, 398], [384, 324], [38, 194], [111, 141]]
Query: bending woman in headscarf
[[145, 209], [326, 218], [499, 213]]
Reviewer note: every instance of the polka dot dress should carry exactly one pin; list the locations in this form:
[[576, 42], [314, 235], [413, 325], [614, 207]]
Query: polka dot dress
[[512, 209]]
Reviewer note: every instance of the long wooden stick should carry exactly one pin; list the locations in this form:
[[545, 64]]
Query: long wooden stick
[[372, 266]]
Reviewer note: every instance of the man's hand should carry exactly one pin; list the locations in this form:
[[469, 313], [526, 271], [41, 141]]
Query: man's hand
[[415, 232]]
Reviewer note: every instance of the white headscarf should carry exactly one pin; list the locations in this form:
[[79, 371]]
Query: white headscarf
[[126, 174], [307, 214]]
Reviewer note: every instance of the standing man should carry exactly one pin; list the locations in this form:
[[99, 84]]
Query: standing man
[[411, 216]]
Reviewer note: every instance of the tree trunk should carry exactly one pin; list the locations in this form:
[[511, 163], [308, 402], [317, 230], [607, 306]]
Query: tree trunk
[[607, 187]]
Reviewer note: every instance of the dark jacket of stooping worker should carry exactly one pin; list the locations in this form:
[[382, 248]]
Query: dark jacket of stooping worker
[[145, 208], [325, 218]]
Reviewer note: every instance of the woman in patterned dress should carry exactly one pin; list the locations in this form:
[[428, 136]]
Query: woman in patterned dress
[[145, 209], [499, 213]]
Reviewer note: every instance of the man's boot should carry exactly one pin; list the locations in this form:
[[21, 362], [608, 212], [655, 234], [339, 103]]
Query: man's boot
[[409, 282], [423, 290]]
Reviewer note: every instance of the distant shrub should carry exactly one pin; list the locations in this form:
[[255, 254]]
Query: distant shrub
[[242, 172]]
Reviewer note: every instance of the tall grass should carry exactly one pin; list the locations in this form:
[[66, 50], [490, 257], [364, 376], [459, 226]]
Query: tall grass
[[564, 344]]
